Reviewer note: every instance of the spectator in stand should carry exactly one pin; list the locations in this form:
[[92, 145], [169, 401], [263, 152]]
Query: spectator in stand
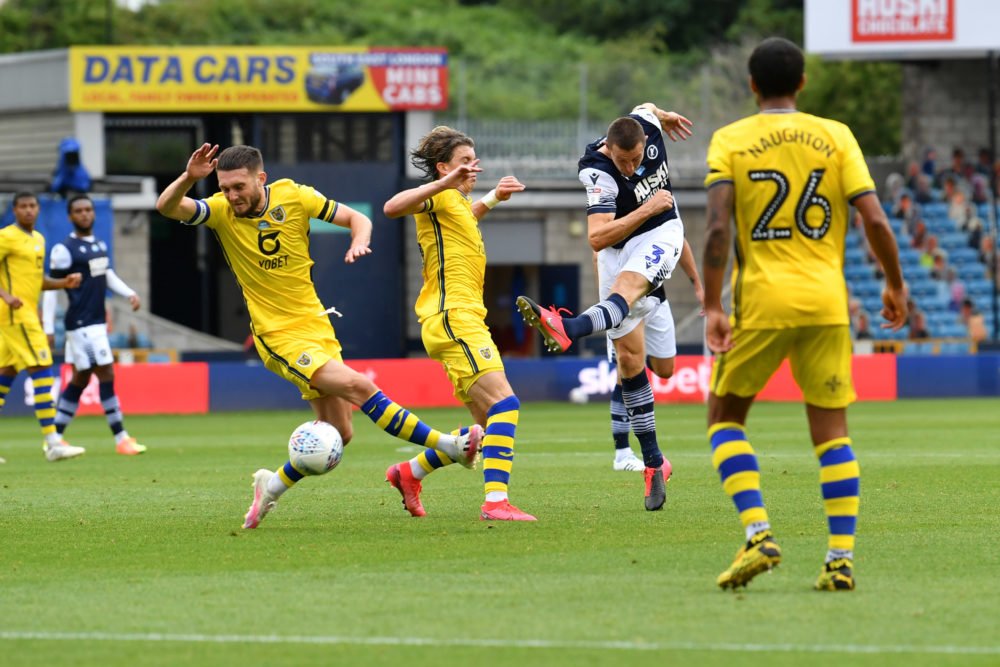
[[918, 326], [905, 210], [957, 294], [923, 194], [912, 175], [974, 228], [929, 166], [973, 321], [918, 235], [895, 186], [928, 252], [939, 268], [988, 255], [958, 170], [862, 327], [70, 175], [958, 206], [980, 188], [984, 163]]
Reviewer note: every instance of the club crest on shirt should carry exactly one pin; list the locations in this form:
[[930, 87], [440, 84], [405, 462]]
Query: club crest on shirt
[[304, 360], [277, 214], [652, 151], [486, 353]]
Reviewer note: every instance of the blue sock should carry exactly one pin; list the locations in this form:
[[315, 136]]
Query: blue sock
[[637, 394], [112, 409], [620, 422], [69, 402], [600, 317]]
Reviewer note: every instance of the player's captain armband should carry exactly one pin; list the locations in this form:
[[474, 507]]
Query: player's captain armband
[[201, 213]]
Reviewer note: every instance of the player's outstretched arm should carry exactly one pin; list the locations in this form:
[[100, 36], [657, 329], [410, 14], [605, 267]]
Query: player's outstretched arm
[[674, 125], [718, 332], [414, 200], [361, 231], [883, 244], [506, 187], [173, 202]]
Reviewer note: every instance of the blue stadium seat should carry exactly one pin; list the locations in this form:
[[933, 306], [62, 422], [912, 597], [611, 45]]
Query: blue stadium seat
[[983, 302], [960, 256], [941, 226], [864, 289], [971, 271], [954, 348], [852, 240], [858, 272], [934, 209], [118, 340], [872, 304], [897, 225], [913, 272], [955, 330], [854, 256], [903, 240], [978, 287], [909, 256], [936, 303], [953, 240], [918, 348], [923, 288]]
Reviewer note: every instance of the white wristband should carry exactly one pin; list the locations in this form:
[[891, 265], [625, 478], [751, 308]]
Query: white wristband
[[491, 199]]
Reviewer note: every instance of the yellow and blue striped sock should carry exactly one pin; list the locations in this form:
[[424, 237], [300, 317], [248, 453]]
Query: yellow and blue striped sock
[[430, 460], [840, 481], [45, 411], [285, 479], [498, 447], [736, 462], [5, 382], [396, 420]]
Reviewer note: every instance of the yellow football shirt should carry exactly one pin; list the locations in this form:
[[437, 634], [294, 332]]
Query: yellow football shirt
[[269, 254], [22, 269], [454, 257], [793, 176]]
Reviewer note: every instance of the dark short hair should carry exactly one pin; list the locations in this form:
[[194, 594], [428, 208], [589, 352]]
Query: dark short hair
[[776, 67], [23, 194], [74, 199], [438, 146], [240, 157], [625, 133]]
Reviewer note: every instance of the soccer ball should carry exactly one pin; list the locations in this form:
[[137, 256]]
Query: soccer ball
[[315, 448]]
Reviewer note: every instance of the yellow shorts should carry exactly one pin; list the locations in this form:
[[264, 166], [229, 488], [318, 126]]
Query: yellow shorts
[[298, 352], [820, 358], [460, 341], [24, 346]]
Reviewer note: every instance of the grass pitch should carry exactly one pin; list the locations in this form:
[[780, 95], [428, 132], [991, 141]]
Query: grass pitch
[[108, 560]]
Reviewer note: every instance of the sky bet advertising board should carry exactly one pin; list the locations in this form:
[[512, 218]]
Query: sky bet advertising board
[[211, 78]]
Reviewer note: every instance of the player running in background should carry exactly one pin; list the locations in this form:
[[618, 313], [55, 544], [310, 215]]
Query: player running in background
[[636, 230], [787, 177], [23, 344], [452, 315], [263, 231], [87, 345]]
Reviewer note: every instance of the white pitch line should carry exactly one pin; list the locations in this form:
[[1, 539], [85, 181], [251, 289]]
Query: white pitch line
[[610, 645]]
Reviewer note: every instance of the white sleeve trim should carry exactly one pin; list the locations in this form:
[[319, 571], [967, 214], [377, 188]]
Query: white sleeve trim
[[602, 190], [60, 258], [117, 285], [49, 311]]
